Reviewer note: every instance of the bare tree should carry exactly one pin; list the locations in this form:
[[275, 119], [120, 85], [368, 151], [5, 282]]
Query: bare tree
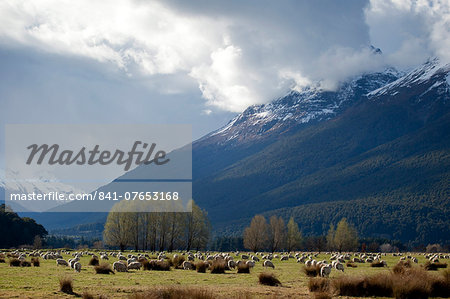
[[255, 236], [117, 227], [277, 233], [197, 228]]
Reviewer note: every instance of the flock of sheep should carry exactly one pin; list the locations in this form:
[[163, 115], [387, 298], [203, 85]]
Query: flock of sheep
[[134, 261]]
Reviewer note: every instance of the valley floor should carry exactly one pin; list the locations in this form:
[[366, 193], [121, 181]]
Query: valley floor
[[43, 281]]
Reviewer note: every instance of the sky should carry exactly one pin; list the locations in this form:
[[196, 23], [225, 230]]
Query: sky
[[196, 62]]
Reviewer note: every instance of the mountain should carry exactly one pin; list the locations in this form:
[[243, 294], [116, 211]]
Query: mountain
[[376, 151]]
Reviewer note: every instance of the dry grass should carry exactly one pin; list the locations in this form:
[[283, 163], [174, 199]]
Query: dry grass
[[351, 265], [322, 296], [25, 264], [156, 265], [66, 284], [177, 262], [35, 261], [94, 261], [218, 267], [14, 262], [429, 266], [268, 279], [319, 284], [243, 268], [201, 266], [404, 282], [104, 268], [311, 271], [174, 293], [377, 264], [401, 267], [87, 295]]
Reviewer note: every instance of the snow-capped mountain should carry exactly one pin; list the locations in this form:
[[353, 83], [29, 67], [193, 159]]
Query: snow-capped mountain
[[312, 104], [433, 71], [13, 183]]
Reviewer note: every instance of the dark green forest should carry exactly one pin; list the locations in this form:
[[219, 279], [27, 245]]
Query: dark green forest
[[17, 231]]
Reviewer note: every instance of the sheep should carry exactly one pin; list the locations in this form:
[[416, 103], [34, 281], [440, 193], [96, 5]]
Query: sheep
[[231, 264], [73, 261], [131, 260], [244, 257], [188, 265], [77, 266], [104, 257], [255, 258], [250, 263], [61, 262], [119, 267], [325, 271], [284, 258], [122, 258], [134, 266], [268, 263], [339, 266]]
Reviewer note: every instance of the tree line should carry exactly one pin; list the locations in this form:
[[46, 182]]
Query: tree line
[[17, 231], [275, 235], [157, 230]]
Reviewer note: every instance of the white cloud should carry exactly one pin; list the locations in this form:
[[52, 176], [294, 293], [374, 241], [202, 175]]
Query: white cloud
[[238, 53], [410, 31]]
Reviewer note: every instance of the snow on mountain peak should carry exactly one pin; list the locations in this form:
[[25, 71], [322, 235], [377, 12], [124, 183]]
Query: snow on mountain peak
[[300, 107], [424, 73]]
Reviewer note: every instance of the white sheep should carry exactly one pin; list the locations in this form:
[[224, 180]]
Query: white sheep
[[134, 266], [231, 264], [268, 263], [61, 262], [188, 265], [77, 266], [325, 271], [119, 267]]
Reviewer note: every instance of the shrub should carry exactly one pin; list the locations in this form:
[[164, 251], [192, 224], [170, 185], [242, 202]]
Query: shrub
[[243, 268], [35, 261], [401, 267], [218, 267], [351, 265], [66, 284], [104, 268], [94, 262], [177, 262], [377, 264], [429, 266], [268, 279], [174, 292], [319, 284], [156, 265], [440, 287], [201, 267], [87, 295], [14, 262], [145, 265], [25, 264], [311, 271], [322, 296]]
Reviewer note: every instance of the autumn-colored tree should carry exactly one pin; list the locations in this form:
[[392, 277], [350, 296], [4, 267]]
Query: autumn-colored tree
[[255, 236], [294, 236], [345, 236]]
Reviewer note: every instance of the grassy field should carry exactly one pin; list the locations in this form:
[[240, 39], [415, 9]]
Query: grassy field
[[43, 281]]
